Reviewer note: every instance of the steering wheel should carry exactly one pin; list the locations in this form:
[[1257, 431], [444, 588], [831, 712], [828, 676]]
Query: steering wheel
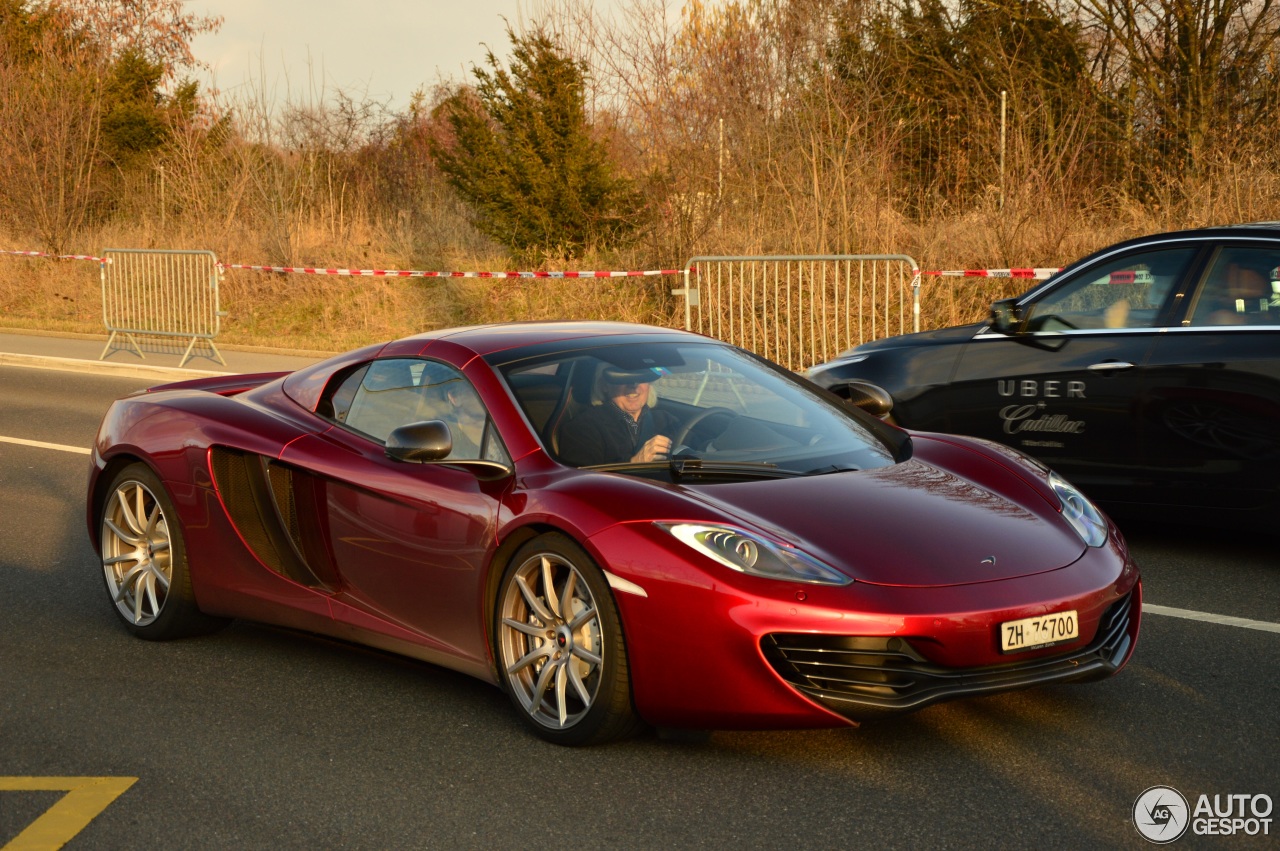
[[697, 418]]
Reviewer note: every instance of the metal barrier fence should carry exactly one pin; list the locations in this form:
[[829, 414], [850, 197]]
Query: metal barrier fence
[[161, 294], [798, 309]]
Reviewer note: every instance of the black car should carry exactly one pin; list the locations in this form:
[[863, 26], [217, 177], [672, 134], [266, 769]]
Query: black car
[[1148, 373]]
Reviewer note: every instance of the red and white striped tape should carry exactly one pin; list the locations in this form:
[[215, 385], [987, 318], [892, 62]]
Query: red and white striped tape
[[1038, 274], [385, 273], [413, 273], [58, 256], [1028, 273]]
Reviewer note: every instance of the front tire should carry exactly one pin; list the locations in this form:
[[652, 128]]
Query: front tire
[[144, 560], [560, 649]]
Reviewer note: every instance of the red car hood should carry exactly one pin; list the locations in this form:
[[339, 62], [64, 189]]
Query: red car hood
[[909, 524]]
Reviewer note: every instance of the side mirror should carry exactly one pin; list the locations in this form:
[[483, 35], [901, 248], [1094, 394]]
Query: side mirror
[[417, 443], [1005, 316], [872, 398]]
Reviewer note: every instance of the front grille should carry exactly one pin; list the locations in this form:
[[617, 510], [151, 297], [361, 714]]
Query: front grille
[[865, 677]]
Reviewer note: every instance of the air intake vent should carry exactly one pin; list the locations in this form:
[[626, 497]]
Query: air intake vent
[[259, 498], [281, 479]]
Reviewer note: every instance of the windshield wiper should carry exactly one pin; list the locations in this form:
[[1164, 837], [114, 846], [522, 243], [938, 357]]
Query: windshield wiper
[[833, 468], [684, 468]]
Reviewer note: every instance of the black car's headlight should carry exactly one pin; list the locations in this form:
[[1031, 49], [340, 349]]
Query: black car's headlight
[[1079, 511], [748, 553]]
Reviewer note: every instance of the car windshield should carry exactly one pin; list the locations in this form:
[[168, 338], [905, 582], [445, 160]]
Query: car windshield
[[719, 408]]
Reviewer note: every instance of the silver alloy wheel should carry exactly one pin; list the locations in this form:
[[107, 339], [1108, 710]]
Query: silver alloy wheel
[[136, 556], [550, 641]]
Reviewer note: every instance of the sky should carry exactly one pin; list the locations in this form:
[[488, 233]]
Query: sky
[[384, 49]]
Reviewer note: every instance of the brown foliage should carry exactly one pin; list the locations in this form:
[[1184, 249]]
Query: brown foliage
[[752, 126]]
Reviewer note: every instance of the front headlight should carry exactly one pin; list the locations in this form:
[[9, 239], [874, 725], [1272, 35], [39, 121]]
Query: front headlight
[[1079, 511], [748, 553]]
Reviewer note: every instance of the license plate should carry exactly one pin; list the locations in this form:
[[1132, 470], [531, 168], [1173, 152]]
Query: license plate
[[1030, 633]]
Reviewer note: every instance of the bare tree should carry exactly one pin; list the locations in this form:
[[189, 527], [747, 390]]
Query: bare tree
[[160, 30], [49, 138], [1188, 73]]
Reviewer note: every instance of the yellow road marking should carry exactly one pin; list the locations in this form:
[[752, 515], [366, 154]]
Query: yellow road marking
[[86, 797]]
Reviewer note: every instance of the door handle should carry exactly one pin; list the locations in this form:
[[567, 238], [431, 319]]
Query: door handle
[[1111, 366]]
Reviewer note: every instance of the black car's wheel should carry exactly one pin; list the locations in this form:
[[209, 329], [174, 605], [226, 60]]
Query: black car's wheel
[[144, 561], [560, 647], [1223, 429]]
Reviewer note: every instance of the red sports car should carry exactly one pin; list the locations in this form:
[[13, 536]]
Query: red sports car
[[619, 525]]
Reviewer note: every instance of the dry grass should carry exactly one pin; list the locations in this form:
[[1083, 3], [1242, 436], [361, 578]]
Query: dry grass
[[51, 295], [335, 313], [332, 313]]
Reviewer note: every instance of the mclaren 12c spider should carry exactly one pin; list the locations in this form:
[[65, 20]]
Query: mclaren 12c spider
[[619, 525]]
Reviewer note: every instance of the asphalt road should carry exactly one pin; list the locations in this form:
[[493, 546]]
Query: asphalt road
[[263, 738]]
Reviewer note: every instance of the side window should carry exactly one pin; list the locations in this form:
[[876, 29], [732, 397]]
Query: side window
[[474, 437], [1128, 292], [382, 396], [1241, 287], [336, 404], [390, 393]]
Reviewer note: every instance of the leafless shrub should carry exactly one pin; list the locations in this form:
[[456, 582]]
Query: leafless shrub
[[49, 138], [768, 126]]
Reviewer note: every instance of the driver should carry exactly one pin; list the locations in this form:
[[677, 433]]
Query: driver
[[623, 427]]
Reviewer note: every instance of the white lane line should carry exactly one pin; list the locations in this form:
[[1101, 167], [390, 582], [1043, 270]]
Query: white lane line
[[1147, 608], [40, 444], [1225, 620], [93, 367]]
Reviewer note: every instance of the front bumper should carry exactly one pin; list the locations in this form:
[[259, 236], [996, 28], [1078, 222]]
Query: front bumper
[[864, 678]]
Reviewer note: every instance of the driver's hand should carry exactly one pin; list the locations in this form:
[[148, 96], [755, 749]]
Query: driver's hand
[[655, 448]]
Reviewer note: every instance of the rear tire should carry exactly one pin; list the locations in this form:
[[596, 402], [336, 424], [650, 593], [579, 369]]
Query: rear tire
[[561, 654], [144, 560]]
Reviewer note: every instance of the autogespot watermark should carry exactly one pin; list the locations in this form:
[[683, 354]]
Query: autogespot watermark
[[1162, 814]]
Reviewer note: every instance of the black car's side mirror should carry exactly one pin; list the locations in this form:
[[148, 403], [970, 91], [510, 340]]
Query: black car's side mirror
[[417, 443], [1005, 316], [873, 399]]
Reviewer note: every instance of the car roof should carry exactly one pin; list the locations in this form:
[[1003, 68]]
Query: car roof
[[1247, 230], [486, 340], [513, 338], [1274, 226]]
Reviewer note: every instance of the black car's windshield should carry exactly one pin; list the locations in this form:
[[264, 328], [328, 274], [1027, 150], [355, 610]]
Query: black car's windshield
[[649, 403]]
